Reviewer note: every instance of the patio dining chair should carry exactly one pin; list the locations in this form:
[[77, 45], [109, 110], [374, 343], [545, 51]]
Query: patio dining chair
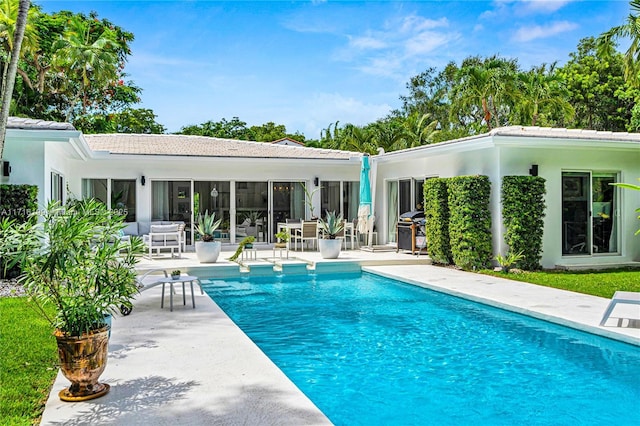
[[308, 231]]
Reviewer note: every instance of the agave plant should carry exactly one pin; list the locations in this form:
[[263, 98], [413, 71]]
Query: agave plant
[[332, 225], [207, 225]]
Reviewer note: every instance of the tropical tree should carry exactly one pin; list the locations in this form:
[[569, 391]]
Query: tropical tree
[[8, 78], [8, 17], [484, 90], [91, 58], [419, 129], [597, 89], [540, 90], [606, 43], [359, 139], [387, 133], [129, 120]]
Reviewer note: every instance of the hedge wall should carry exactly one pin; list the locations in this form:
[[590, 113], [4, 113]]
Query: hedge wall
[[436, 211], [16, 202], [470, 221], [523, 210]]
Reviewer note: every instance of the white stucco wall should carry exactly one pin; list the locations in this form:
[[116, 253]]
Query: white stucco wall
[[502, 156], [552, 161]]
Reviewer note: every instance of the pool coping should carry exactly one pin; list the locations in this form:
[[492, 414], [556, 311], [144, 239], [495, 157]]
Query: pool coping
[[579, 311]]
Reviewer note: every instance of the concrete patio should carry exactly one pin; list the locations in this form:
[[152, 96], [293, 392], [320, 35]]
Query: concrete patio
[[195, 367]]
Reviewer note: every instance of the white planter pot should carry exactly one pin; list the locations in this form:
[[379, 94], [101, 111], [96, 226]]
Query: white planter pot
[[208, 251], [330, 249]]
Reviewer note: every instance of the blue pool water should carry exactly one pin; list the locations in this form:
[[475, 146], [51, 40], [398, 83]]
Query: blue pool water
[[372, 351]]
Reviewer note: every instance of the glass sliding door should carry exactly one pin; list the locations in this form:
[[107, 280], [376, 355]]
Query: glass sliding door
[[288, 202], [214, 197], [330, 198], [589, 223], [123, 198], [351, 200], [418, 194], [405, 199], [603, 204], [392, 210], [252, 210], [171, 202]]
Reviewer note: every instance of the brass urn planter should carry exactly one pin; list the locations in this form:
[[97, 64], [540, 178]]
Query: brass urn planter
[[82, 361]]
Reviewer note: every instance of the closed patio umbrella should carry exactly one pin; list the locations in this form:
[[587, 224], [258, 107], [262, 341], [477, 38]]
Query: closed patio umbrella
[[364, 209]]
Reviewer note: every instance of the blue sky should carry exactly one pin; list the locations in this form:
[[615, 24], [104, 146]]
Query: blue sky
[[306, 64]]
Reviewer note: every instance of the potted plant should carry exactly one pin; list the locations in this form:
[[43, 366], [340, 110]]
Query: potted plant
[[247, 242], [207, 249], [175, 274], [74, 264], [282, 239], [331, 226], [308, 199]]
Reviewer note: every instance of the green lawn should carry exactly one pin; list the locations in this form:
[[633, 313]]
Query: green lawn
[[28, 362], [596, 283]]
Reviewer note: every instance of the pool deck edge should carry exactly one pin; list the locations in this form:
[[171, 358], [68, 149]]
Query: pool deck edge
[[575, 310]]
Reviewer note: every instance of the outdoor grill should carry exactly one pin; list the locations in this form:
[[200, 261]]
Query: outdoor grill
[[410, 231]]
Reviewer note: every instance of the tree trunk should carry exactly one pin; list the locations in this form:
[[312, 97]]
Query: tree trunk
[[487, 113], [7, 89]]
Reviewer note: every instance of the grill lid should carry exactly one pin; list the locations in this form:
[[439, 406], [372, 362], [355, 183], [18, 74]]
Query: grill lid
[[412, 215]]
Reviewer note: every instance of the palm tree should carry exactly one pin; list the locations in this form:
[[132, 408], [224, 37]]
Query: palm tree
[[419, 130], [92, 58], [540, 88], [8, 17], [484, 88], [630, 29], [359, 139], [8, 79]]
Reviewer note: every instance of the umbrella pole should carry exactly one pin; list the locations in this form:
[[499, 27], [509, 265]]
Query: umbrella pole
[[374, 173]]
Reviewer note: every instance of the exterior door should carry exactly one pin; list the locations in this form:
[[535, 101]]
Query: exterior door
[[171, 200], [589, 222]]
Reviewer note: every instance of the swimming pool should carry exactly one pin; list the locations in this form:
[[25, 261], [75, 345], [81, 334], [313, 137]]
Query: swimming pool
[[368, 350]]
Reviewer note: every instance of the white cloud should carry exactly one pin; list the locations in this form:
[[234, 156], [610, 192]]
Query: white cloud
[[534, 32], [367, 42], [322, 109], [544, 6], [397, 46], [506, 9]]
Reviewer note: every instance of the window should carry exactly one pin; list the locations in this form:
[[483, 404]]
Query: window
[[57, 187], [122, 194], [341, 197]]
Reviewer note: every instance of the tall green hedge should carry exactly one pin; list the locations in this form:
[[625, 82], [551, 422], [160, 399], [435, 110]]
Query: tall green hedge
[[18, 201], [436, 213], [523, 210], [470, 221]]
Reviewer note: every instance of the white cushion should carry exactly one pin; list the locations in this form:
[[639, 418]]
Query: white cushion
[[164, 228], [131, 229]]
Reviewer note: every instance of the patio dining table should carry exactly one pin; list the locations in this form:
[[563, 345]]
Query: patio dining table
[[349, 230]]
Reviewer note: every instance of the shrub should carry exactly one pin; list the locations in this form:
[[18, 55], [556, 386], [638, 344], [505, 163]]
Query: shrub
[[470, 221], [523, 210], [17, 202], [436, 213]]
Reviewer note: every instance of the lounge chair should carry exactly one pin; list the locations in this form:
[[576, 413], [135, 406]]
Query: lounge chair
[[621, 297]]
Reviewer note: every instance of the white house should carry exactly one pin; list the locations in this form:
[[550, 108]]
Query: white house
[[168, 177]]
